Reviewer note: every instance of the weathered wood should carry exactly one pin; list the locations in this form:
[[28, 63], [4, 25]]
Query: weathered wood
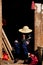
[[0, 28], [38, 27]]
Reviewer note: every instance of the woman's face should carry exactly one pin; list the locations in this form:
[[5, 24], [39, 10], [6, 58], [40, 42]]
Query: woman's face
[[24, 36]]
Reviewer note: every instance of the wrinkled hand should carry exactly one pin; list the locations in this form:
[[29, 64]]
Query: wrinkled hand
[[27, 42], [16, 41]]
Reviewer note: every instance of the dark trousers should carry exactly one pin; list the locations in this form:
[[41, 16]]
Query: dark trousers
[[18, 50]]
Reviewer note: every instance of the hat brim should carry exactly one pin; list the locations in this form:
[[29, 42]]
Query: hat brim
[[25, 31]]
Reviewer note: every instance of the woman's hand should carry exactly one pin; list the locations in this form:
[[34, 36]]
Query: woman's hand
[[16, 41], [27, 42]]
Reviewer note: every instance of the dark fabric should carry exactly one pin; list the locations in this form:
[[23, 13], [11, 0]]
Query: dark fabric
[[21, 49], [17, 50], [29, 60], [25, 50]]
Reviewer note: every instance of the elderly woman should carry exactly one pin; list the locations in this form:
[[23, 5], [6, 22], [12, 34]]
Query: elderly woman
[[24, 42]]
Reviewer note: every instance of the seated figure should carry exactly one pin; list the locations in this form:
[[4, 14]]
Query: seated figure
[[24, 42]]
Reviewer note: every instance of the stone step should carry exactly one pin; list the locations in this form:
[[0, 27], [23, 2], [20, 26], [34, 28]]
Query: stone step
[[13, 64], [3, 62]]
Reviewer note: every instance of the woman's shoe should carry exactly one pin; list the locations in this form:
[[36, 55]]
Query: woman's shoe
[[15, 60], [25, 62]]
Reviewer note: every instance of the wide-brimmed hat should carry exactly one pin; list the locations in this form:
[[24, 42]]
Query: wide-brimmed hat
[[25, 29]]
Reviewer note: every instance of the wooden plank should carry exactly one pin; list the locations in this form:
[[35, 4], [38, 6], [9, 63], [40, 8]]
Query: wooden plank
[[0, 28]]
